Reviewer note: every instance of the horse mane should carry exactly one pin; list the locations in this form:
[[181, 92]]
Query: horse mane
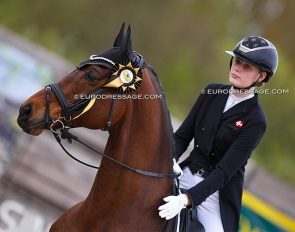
[[157, 79]]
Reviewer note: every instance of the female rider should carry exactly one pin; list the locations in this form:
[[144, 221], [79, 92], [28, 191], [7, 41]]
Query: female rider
[[226, 123]]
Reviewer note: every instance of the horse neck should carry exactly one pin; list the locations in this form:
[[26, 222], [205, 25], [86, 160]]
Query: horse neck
[[143, 137]]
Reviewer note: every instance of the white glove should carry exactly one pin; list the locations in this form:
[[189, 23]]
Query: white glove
[[176, 169], [173, 206]]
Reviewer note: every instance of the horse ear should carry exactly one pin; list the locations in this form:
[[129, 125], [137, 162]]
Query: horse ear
[[126, 46], [120, 36]]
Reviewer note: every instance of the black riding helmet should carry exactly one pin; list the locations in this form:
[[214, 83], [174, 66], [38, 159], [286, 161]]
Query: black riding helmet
[[259, 52]]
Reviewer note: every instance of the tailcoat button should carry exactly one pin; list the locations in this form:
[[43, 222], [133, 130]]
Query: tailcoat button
[[203, 129], [197, 145]]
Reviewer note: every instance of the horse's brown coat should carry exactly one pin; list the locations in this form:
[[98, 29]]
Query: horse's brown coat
[[140, 136]]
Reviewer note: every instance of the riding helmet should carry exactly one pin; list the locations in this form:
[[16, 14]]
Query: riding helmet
[[259, 52]]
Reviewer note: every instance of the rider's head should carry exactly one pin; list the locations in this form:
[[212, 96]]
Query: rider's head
[[258, 52]]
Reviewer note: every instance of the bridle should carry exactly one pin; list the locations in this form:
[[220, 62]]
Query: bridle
[[65, 117], [65, 120]]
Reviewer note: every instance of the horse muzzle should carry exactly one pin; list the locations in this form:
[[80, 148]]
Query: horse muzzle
[[27, 122]]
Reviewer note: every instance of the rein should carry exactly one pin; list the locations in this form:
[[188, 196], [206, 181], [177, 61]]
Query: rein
[[143, 172]]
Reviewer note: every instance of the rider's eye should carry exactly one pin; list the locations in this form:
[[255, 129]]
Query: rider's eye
[[90, 76], [237, 61]]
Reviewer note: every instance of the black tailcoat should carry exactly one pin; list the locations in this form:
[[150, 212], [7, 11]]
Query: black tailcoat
[[223, 142]]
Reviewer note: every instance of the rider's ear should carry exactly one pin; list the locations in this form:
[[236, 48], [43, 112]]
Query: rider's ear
[[126, 46], [262, 77], [120, 36]]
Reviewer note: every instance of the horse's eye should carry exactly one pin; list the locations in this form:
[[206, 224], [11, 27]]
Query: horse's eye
[[90, 76]]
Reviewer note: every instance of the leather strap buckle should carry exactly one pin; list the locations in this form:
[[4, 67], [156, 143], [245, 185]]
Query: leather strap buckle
[[200, 172]]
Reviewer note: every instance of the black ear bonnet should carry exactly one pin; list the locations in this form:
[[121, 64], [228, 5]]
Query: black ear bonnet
[[109, 59], [121, 53]]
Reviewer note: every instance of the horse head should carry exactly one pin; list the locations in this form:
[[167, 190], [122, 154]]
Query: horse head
[[85, 96]]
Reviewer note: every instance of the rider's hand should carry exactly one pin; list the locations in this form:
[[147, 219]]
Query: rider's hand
[[176, 169], [173, 206]]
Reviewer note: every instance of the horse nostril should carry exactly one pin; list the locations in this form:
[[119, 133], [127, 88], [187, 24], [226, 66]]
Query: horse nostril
[[26, 110]]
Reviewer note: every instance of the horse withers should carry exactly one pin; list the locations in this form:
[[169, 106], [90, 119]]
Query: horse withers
[[117, 91]]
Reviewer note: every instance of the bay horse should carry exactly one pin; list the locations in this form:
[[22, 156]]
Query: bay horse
[[116, 91]]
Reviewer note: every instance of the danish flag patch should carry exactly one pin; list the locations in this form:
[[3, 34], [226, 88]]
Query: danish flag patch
[[239, 123]]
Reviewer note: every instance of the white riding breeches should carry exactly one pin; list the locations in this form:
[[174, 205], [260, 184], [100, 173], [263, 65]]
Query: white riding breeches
[[209, 211]]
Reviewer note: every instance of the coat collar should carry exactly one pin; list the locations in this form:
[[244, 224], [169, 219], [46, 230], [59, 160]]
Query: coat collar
[[241, 107]]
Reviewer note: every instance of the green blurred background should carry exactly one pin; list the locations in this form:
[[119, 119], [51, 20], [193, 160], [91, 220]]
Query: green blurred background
[[184, 40]]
